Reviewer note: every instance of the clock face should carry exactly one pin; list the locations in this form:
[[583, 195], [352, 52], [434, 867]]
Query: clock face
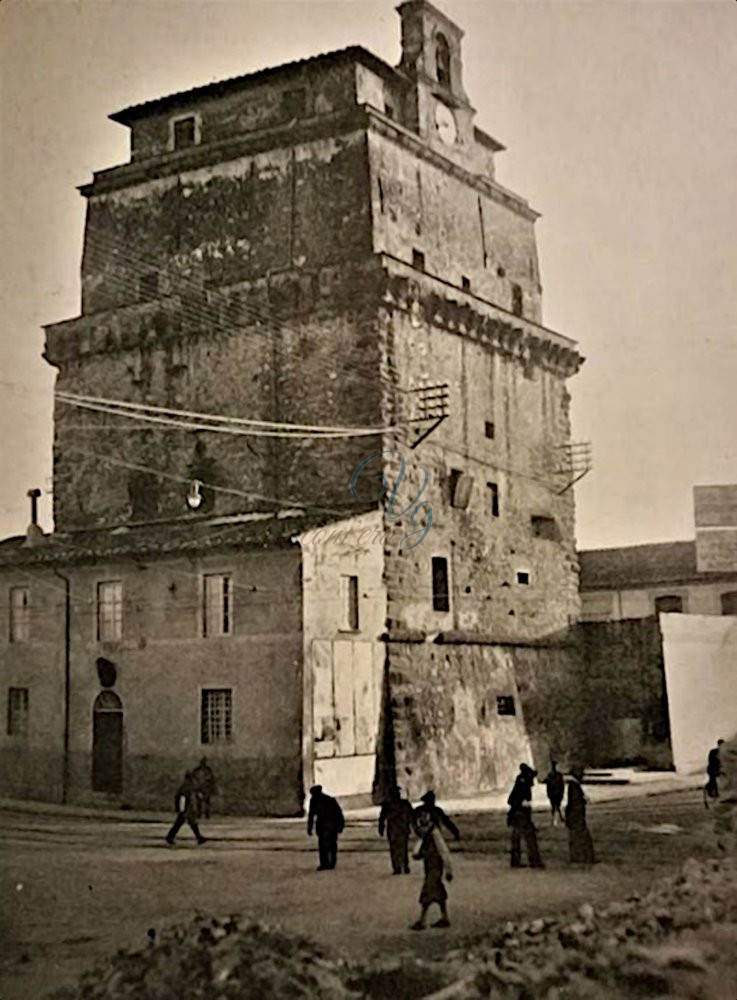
[[445, 123]]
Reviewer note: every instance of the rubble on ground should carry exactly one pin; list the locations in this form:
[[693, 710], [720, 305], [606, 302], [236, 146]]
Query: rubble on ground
[[678, 939]]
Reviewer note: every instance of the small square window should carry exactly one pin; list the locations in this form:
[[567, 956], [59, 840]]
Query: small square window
[[349, 594], [20, 614], [489, 429], [440, 588], [109, 611], [184, 132], [418, 260], [217, 611], [493, 489], [216, 716], [505, 705], [523, 577], [17, 711], [465, 283]]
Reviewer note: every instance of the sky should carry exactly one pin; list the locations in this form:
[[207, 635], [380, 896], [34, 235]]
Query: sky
[[620, 127]]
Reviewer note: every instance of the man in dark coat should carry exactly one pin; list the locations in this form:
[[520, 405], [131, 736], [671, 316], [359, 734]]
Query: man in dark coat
[[519, 819], [326, 817], [713, 771], [580, 844], [185, 804], [205, 787], [555, 786], [396, 818]]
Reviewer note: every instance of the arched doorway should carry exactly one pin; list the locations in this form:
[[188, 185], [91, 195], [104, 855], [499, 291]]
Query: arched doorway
[[107, 743]]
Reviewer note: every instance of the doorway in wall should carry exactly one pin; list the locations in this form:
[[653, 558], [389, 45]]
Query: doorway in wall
[[107, 744]]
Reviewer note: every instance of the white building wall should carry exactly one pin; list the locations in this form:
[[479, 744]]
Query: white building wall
[[700, 653]]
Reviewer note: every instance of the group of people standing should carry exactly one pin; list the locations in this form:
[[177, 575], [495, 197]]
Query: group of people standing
[[519, 817], [398, 819]]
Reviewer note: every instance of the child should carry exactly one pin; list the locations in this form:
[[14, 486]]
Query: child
[[433, 851]]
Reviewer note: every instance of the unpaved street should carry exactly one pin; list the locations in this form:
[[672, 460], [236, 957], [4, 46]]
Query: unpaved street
[[76, 889]]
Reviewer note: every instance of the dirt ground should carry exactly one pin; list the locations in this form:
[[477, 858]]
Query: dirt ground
[[74, 890]]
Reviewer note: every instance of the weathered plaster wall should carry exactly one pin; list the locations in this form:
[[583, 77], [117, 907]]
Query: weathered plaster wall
[[448, 734], [612, 605], [261, 102], [485, 552], [344, 667], [162, 662], [31, 765], [700, 653], [461, 230]]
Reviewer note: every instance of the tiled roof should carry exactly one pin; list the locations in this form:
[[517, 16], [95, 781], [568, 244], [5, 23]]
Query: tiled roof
[[356, 53], [633, 565], [184, 537]]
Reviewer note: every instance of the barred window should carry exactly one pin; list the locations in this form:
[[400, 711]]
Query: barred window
[[217, 610], [109, 611], [17, 711], [20, 614], [216, 715]]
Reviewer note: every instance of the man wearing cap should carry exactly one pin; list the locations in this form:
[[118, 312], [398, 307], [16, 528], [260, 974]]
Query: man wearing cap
[[519, 819], [326, 817]]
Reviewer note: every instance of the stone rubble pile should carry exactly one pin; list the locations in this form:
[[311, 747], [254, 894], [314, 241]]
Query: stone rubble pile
[[649, 945], [677, 939], [210, 959]]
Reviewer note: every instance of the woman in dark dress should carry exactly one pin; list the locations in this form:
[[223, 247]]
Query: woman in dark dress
[[434, 853], [580, 844]]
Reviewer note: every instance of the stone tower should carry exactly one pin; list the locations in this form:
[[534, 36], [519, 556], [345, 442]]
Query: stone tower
[[326, 244]]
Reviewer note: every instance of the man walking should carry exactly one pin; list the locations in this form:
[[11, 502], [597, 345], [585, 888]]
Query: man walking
[[396, 817], [555, 786], [519, 819], [186, 808], [326, 817], [205, 787]]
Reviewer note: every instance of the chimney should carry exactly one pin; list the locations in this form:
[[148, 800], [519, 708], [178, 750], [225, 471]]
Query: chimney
[[34, 534]]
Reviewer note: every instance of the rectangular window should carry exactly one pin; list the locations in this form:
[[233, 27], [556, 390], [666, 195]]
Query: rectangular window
[[505, 705], [184, 132], [440, 589], [17, 711], [109, 611], [418, 260], [388, 110], [493, 489], [668, 604], [489, 430], [465, 283], [20, 614], [217, 612], [349, 596], [523, 577], [216, 715]]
